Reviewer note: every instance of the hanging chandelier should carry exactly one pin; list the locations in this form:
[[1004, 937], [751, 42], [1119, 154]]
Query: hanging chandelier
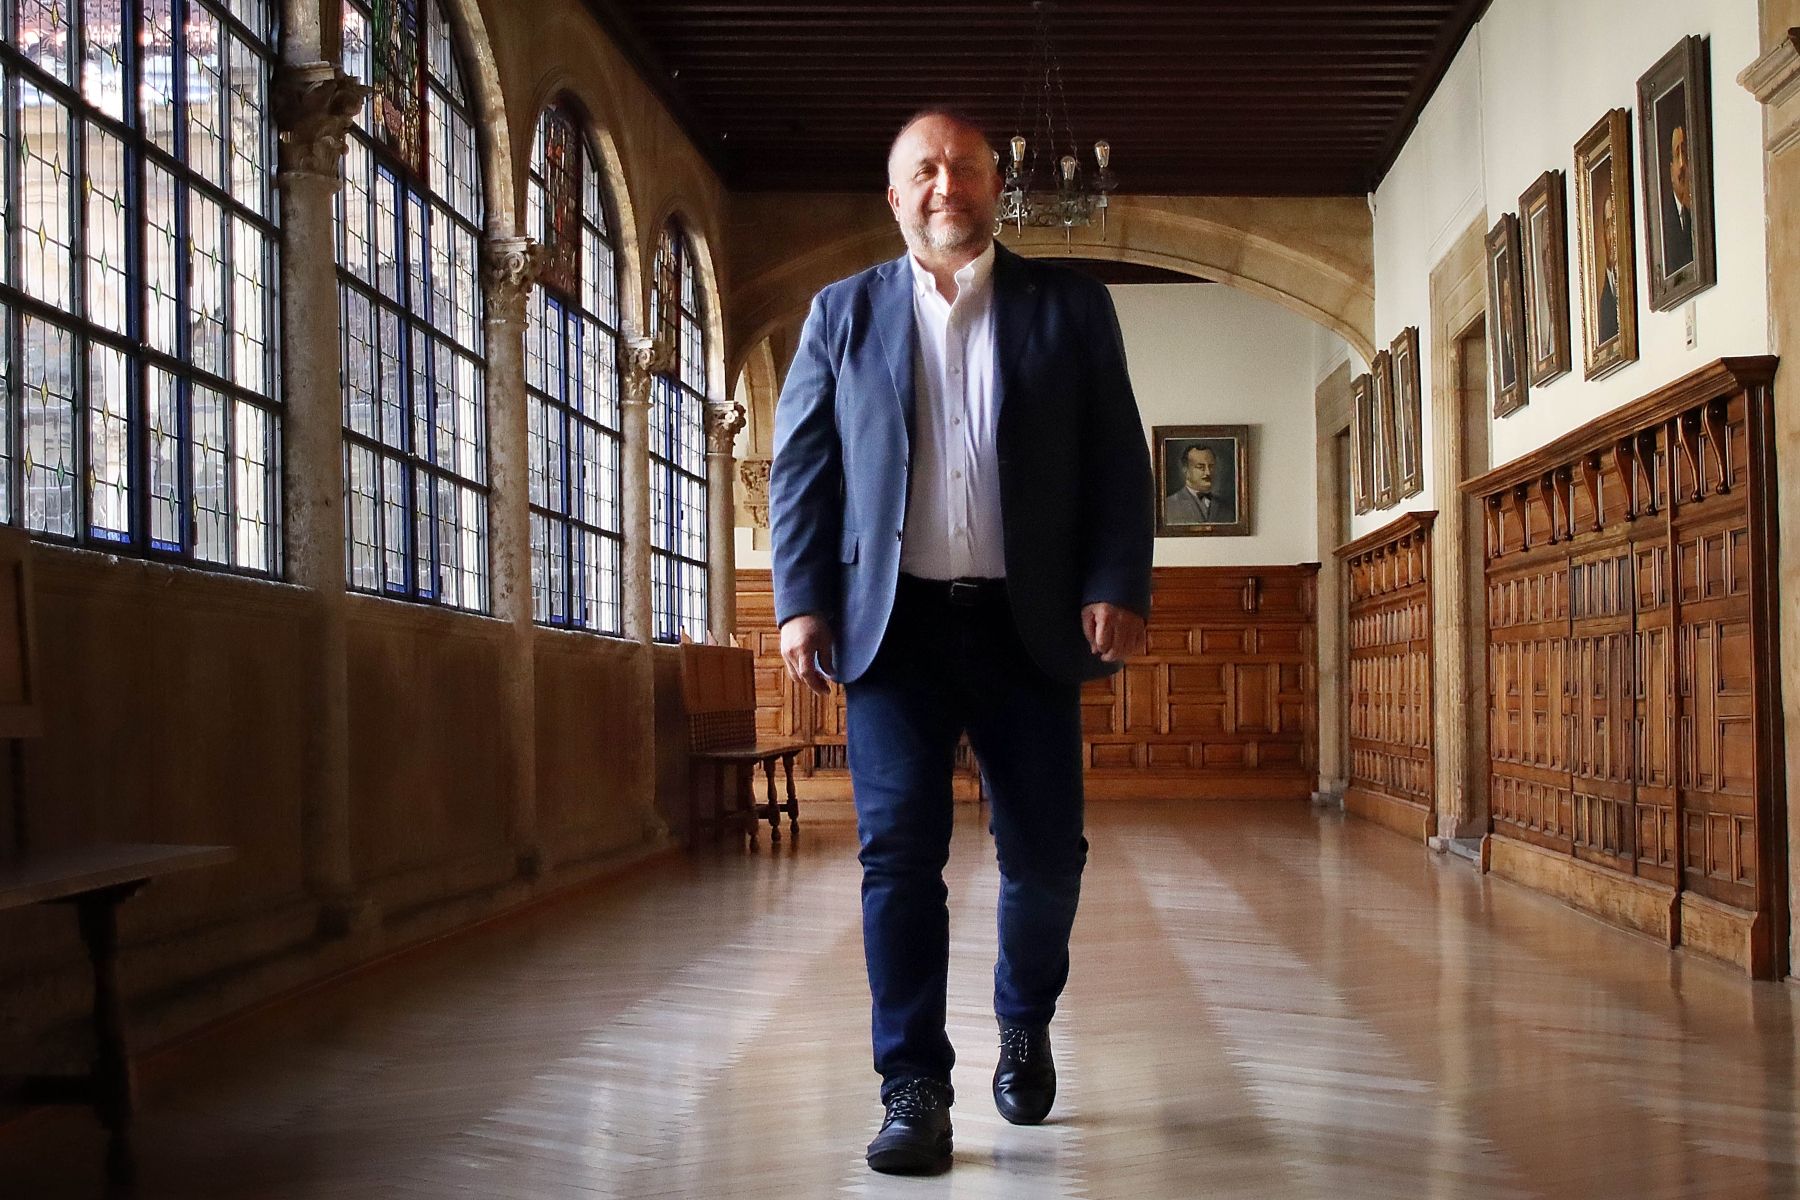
[[1042, 187]]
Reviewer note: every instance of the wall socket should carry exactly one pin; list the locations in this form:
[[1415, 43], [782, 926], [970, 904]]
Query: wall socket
[[1687, 313]]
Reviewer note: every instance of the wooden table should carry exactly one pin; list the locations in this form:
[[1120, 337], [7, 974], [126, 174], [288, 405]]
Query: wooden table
[[96, 880]]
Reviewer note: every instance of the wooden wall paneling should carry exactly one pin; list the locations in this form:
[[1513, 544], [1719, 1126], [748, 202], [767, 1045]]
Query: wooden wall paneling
[[1223, 705], [1388, 585], [1632, 607]]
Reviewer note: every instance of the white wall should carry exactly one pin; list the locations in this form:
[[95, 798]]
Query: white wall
[[1206, 354], [1533, 77]]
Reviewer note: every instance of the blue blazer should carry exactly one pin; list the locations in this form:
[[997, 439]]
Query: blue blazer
[[1075, 487]]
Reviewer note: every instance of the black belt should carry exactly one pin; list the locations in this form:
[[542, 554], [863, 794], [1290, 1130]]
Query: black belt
[[966, 592]]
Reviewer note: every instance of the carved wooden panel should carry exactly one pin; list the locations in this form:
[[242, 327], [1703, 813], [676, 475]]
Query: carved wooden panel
[[1224, 703], [1631, 639], [1387, 578]]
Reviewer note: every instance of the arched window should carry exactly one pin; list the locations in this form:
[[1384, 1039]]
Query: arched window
[[572, 376], [409, 221], [137, 305], [678, 552]]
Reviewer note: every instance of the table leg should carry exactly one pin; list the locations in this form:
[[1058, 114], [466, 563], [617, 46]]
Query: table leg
[[97, 914], [768, 766], [793, 801]]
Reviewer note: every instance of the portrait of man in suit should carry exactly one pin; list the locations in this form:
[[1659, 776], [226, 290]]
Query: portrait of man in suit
[[921, 562], [1606, 265], [1676, 177], [1205, 495]]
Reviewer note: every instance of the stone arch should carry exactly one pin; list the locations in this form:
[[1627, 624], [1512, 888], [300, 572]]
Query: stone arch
[[494, 136], [1313, 256]]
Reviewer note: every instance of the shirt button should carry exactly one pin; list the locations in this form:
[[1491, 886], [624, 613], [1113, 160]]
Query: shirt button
[[956, 474], [956, 420]]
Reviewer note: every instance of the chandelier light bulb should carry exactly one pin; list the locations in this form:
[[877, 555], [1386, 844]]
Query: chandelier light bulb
[[1103, 154], [1068, 168], [1018, 150]]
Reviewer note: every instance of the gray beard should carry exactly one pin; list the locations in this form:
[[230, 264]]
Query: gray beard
[[921, 234]]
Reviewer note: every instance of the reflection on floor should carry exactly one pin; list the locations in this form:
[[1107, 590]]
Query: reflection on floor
[[1266, 1003]]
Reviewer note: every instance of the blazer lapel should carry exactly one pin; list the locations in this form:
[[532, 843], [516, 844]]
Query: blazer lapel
[[1015, 304], [891, 306]]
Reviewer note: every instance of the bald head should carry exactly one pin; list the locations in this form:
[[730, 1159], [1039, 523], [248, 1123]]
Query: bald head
[[942, 119]]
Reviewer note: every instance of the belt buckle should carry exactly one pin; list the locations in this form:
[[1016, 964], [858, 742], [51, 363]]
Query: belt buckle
[[964, 592]]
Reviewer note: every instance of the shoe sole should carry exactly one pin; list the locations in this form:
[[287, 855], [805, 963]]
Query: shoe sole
[[908, 1160], [1018, 1116]]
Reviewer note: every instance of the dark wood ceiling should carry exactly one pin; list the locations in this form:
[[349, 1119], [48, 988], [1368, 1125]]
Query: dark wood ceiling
[[1198, 97]]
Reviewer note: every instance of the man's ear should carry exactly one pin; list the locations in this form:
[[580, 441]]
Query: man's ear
[[893, 201]]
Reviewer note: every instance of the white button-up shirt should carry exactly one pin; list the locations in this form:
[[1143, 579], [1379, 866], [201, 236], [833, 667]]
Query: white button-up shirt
[[953, 507]]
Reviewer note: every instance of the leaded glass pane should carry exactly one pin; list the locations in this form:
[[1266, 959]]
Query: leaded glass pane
[[206, 268], [44, 33], [46, 198], [109, 446], [562, 190], [168, 507], [108, 288], [6, 411], [253, 484], [156, 91], [395, 77], [47, 394], [248, 127], [205, 96], [103, 66], [678, 449], [210, 411]]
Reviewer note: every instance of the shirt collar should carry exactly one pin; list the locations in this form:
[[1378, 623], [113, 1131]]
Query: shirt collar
[[972, 278]]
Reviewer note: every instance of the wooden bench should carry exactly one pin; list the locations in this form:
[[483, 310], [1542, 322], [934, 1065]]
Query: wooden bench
[[94, 880], [718, 688]]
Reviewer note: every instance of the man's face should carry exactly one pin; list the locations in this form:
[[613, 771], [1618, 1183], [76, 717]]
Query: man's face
[[1678, 166], [943, 187], [1603, 242], [1197, 469]]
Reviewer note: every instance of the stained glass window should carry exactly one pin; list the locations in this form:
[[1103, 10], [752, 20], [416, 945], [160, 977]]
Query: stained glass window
[[572, 386], [409, 221], [678, 548], [137, 298]]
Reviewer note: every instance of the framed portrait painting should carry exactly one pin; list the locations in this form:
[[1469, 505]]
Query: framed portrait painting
[[1387, 479], [1202, 480], [1506, 317], [1362, 444], [1409, 412], [1606, 245], [1675, 152], [1544, 254]]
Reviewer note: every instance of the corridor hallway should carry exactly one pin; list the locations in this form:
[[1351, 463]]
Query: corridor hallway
[[1266, 1002]]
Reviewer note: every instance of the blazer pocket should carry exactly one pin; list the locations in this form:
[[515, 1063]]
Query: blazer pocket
[[847, 546]]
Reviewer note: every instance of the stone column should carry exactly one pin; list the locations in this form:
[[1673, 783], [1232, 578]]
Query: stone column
[[723, 421], [314, 105], [1774, 79], [509, 267], [645, 358]]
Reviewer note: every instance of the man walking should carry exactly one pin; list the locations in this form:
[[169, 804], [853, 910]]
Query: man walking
[[960, 506]]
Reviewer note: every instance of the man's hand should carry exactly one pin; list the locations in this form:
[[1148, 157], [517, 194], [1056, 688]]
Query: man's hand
[[1114, 633], [803, 638]]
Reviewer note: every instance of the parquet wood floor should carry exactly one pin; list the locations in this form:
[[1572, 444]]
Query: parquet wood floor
[[1266, 1003]]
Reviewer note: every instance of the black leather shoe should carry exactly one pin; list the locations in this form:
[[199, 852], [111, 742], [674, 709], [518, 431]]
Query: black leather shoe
[[915, 1133], [1025, 1077]]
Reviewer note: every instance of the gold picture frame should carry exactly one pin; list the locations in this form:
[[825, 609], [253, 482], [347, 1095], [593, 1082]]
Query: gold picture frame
[[1506, 318], [1544, 258], [1409, 412], [1606, 245]]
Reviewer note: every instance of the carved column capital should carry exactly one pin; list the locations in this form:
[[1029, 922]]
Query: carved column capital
[[314, 106], [509, 267], [643, 359], [754, 472], [723, 421]]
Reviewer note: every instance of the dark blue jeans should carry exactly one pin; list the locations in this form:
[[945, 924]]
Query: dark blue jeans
[[943, 669]]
